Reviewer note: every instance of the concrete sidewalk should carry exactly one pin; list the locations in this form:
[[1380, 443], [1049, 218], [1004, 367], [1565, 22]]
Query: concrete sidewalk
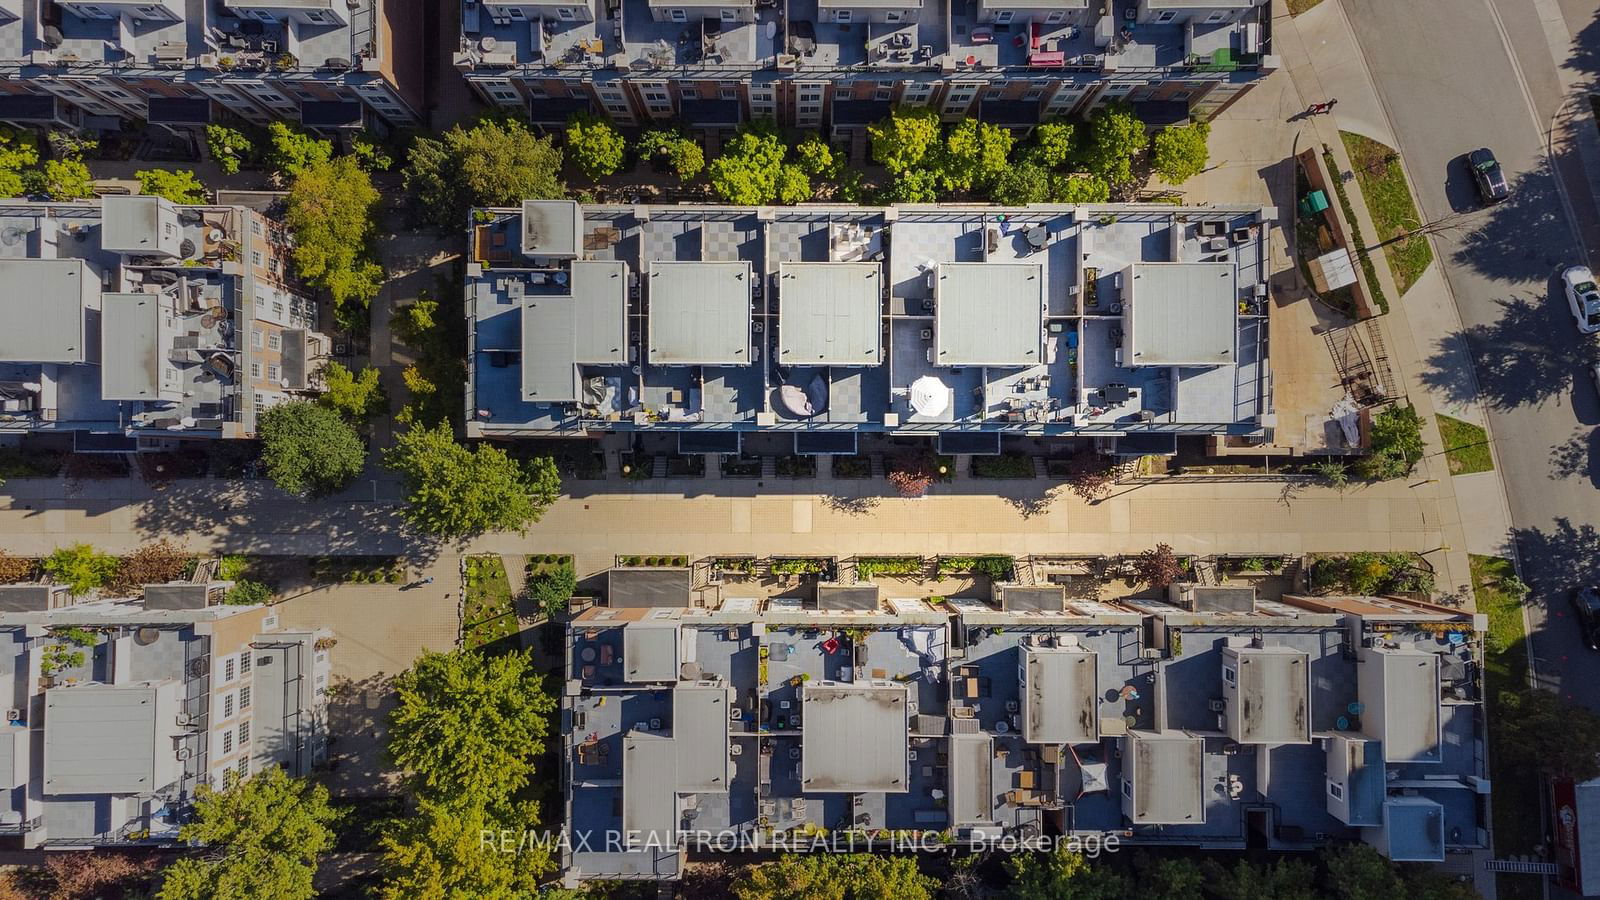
[[1027, 517], [1324, 61]]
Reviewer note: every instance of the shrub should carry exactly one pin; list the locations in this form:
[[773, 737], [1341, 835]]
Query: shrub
[[229, 147], [1158, 567], [157, 563], [247, 593], [868, 566], [552, 590], [81, 568], [14, 569]]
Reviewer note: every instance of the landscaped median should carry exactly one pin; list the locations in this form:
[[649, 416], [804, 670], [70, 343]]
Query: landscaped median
[[1466, 446], [1394, 212]]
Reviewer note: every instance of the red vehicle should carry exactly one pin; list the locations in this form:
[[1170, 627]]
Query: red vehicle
[[1576, 811]]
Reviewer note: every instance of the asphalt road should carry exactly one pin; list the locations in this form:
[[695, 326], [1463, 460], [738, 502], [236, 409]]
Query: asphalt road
[[1443, 70]]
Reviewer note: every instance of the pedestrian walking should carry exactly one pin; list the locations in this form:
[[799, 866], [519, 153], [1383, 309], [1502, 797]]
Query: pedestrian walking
[[428, 580]]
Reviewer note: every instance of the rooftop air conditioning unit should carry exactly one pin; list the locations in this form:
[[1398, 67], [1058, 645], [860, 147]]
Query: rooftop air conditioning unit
[[184, 753], [14, 716], [185, 720], [1150, 653]]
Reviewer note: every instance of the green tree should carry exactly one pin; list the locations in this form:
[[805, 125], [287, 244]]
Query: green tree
[[18, 150], [371, 153], [177, 185], [468, 727], [903, 141], [1021, 184], [748, 171], [438, 851], [60, 179], [1541, 731], [247, 593], [291, 151], [1052, 144], [330, 212], [975, 155], [552, 591], [1061, 875], [456, 492], [308, 450], [1169, 877], [816, 158], [594, 146], [356, 395], [1282, 880], [263, 835], [1079, 189], [1178, 154], [1396, 444], [229, 147], [1359, 872], [493, 163], [1115, 137], [872, 877], [793, 876], [80, 567], [671, 149], [915, 186], [793, 185]]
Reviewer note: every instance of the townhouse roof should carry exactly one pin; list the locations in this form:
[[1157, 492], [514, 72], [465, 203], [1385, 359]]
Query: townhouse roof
[[1166, 778], [43, 309], [830, 314], [1182, 314], [102, 738], [699, 313], [856, 736], [989, 314], [1267, 691], [1060, 696]]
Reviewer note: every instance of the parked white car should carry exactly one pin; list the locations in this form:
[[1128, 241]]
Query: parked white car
[[1583, 296]]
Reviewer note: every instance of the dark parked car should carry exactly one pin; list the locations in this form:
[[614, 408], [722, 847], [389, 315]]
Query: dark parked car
[[1586, 606], [1487, 174]]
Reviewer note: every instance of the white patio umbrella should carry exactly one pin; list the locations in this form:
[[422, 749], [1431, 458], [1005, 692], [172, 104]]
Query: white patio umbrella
[[929, 396]]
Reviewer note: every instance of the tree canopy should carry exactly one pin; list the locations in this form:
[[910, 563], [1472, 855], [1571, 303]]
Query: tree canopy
[[456, 492], [263, 835], [469, 726], [1540, 730], [493, 163], [1115, 137], [825, 876], [60, 179], [438, 851], [1061, 874], [1178, 154], [177, 185], [18, 151], [466, 731], [594, 146], [975, 156], [308, 450], [674, 152], [1053, 144], [1396, 444], [358, 396], [291, 152], [1023, 183], [229, 147], [750, 172], [903, 141], [330, 212], [817, 159]]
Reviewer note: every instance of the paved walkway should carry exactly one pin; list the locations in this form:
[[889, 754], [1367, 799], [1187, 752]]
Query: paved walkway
[[674, 517]]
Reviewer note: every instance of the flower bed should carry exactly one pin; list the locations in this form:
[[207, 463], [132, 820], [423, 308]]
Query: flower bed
[[868, 566], [996, 567]]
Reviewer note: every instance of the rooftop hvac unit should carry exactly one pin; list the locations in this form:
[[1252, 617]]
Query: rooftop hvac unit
[[14, 716], [185, 720], [184, 753]]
